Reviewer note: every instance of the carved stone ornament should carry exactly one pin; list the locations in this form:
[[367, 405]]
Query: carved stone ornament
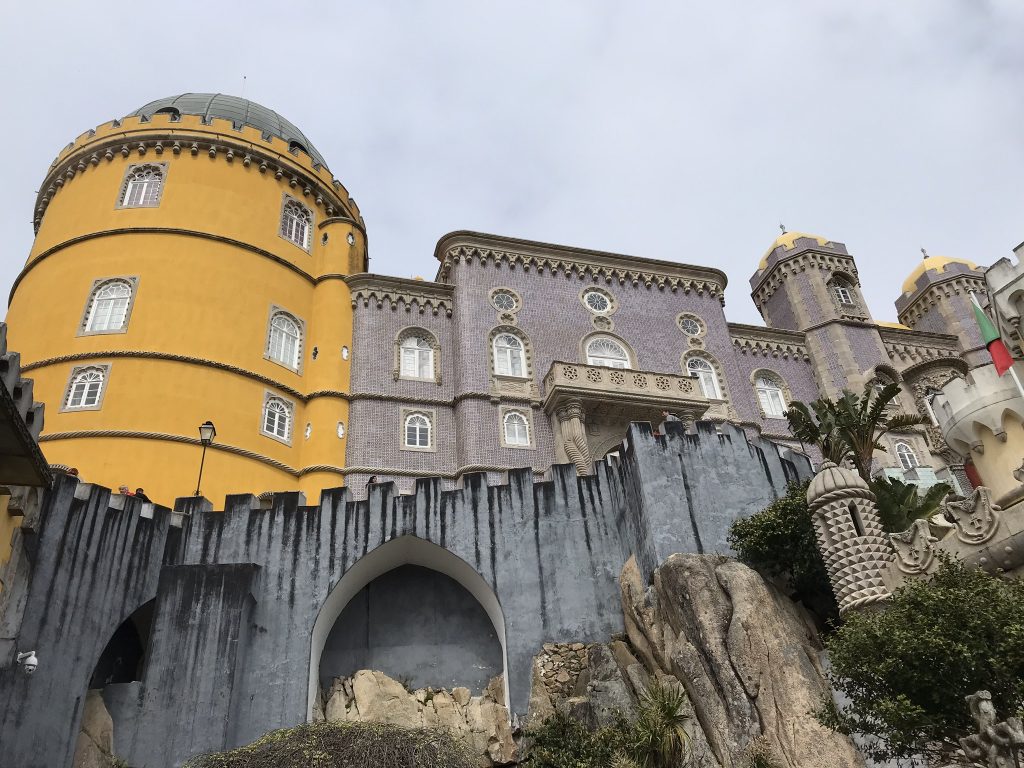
[[976, 518], [996, 745], [1018, 473], [915, 548]]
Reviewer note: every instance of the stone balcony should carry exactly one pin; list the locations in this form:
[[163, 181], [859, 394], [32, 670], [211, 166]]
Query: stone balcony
[[591, 406]]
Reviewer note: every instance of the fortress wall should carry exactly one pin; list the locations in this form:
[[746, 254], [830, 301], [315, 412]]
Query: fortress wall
[[549, 553]]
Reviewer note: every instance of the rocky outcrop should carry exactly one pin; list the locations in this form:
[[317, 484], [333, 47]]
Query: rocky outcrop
[[481, 722], [744, 653], [95, 745]]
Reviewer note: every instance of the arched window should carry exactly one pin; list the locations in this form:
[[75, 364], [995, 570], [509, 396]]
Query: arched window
[[142, 186], [517, 429], [277, 418], [296, 223], [284, 342], [108, 306], [929, 404], [906, 455], [607, 352], [417, 355], [843, 291], [705, 373], [86, 388], [417, 431], [509, 355], [769, 394]]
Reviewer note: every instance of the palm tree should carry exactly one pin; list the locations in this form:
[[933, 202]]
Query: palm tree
[[659, 737], [850, 428], [899, 503]]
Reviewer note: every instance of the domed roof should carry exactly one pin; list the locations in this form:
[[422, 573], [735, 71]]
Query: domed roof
[[239, 111], [932, 264], [788, 241], [833, 478]]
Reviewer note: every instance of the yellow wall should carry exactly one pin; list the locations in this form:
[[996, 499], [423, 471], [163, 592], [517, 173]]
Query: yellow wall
[[998, 461], [204, 299]]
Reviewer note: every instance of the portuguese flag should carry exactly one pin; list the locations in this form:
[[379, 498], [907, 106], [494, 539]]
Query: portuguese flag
[[1000, 354]]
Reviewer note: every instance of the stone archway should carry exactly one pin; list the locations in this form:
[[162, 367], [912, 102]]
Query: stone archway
[[405, 550]]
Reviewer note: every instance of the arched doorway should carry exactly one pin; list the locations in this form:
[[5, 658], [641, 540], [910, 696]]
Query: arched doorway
[[397, 554], [124, 656]]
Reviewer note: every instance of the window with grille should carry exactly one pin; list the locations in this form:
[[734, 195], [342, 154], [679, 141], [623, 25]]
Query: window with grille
[[108, 306], [296, 223], [705, 373], [906, 455], [607, 352], [417, 431], [517, 429], [417, 358], [85, 388], [843, 294], [142, 186], [284, 342], [509, 355], [277, 418], [769, 394]]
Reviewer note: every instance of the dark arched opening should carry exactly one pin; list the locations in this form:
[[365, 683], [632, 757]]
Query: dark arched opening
[[124, 657]]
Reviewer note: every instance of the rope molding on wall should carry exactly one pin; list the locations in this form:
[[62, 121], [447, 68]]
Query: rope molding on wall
[[398, 472], [128, 353], [93, 433]]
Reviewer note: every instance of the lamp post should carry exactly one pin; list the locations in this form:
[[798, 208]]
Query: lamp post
[[206, 434]]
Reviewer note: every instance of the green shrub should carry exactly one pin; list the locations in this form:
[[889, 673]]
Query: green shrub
[[907, 669], [564, 742], [345, 745]]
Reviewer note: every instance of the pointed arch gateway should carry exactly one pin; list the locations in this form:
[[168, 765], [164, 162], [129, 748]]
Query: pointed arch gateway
[[404, 550]]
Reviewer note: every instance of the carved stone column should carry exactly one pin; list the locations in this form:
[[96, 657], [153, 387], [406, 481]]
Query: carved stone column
[[572, 419]]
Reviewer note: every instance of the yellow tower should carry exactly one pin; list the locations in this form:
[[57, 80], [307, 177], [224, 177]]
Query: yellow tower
[[188, 266]]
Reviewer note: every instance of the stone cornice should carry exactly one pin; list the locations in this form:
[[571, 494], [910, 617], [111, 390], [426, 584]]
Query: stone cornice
[[917, 347], [598, 266], [912, 310], [768, 342], [775, 275], [153, 144], [382, 290], [149, 355], [469, 395], [468, 468]]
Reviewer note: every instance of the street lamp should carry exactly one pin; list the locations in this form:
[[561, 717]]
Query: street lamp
[[206, 434]]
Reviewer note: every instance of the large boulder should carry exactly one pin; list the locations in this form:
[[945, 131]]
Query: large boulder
[[745, 654], [95, 745]]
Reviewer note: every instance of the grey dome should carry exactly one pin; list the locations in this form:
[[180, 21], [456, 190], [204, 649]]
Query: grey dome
[[238, 111]]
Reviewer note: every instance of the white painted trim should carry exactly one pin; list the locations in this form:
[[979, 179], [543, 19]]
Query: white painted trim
[[405, 550]]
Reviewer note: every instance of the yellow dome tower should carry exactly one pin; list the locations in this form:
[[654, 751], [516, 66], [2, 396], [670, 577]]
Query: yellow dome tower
[[188, 266]]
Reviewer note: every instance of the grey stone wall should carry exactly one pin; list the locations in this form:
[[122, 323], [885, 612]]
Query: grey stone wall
[[238, 592]]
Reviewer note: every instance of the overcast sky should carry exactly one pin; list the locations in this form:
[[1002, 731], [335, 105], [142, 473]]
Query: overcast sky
[[670, 130]]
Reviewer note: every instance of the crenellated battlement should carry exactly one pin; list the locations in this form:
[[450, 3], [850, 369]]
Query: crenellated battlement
[[980, 401], [138, 136]]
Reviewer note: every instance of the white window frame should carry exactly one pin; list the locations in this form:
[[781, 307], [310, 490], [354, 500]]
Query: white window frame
[[275, 331], [79, 374], [286, 410], [843, 294], [91, 312], [143, 192], [430, 417], [297, 222], [771, 397], [505, 416], [517, 302], [504, 356], [608, 361], [705, 376], [609, 308], [416, 358], [907, 456]]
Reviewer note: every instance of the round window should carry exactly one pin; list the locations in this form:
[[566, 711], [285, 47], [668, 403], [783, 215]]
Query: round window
[[597, 302], [506, 301], [689, 326]]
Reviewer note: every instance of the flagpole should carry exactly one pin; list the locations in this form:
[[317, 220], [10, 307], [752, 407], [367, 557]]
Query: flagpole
[[1011, 369]]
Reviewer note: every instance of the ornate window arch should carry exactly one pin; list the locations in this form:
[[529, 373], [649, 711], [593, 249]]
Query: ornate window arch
[[417, 429], [109, 306], [417, 355], [510, 353], [708, 373], [86, 388], [843, 289], [285, 336], [296, 223], [773, 396], [516, 430], [609, 351], [906, 455], [142, 186], [278, 415]]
